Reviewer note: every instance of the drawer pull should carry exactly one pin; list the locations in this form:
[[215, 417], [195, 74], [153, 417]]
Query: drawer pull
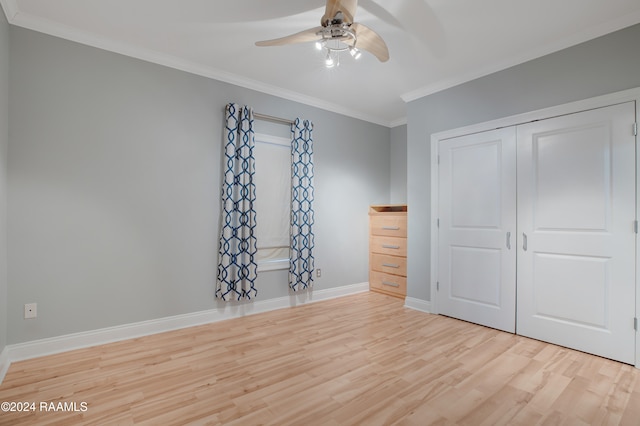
[[390, 284], [391, 228], [391, 265], [389, 246]]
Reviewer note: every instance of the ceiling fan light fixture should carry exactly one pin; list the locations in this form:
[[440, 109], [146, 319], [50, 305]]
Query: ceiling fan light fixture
[[337, 38], [329, 62], [337, 33]]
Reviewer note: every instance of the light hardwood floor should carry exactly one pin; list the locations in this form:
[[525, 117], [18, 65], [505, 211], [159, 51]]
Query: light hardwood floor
[[362, 359]]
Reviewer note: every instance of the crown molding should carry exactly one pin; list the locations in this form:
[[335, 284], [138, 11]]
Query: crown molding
[[45, 26], [573, 40], [398, 122]]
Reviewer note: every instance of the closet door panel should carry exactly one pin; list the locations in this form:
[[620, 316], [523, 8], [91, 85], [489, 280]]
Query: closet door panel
[[477, 202], [576, 240]]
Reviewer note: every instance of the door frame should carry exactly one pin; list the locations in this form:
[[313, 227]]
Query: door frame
[[514, 120]]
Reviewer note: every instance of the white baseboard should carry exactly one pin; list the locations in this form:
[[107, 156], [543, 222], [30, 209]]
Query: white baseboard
[[53, 345], [4, 362], [418, 304]]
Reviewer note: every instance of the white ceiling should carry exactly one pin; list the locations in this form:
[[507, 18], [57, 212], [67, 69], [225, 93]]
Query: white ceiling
[[434, 44]]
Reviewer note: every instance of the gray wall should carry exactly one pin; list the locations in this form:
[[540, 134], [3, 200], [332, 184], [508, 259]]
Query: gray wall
[[4, 140], [600, 66], [114, 182], [398, 158]]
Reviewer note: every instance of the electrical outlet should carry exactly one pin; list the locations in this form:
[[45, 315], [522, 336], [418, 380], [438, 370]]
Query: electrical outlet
[[30, 310], [318, 272]]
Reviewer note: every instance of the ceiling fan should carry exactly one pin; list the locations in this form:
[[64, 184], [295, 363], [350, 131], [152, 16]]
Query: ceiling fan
[[338, 33]]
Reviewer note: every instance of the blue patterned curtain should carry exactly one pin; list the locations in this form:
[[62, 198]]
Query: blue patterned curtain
[[301, 248], [237, 265]]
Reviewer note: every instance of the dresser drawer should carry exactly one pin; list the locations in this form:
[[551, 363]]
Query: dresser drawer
[[393, 265], [392, 284], [390, 226], [388, 245]]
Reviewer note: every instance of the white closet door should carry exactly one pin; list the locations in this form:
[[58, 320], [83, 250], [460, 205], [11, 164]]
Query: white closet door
[[476, 236], [576, 239]]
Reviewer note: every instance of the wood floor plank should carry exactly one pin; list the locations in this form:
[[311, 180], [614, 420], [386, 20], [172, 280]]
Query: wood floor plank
[[362, 359]]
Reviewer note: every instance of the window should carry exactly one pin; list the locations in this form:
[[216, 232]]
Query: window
[[273, 201]]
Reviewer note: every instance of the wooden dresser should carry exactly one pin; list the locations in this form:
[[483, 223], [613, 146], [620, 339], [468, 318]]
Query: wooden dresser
[[388, 249]]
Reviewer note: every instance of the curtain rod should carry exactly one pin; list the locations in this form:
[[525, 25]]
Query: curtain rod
[[272, 118]]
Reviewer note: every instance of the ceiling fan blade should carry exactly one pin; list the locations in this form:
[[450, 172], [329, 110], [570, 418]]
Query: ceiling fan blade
[[301, 37], [370, 41], [347, 7]]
